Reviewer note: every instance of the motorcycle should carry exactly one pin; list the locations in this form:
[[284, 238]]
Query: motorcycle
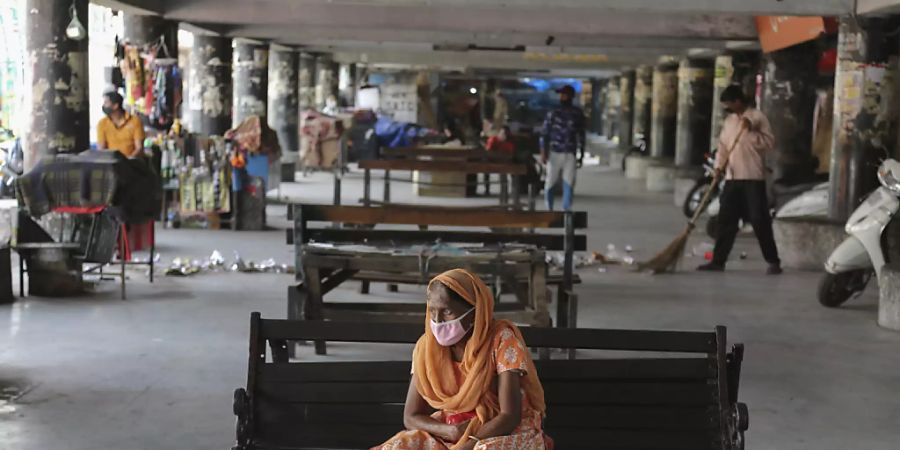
[[639, 149], [852, 264], [803, 197], [813, 202], [695, 195]]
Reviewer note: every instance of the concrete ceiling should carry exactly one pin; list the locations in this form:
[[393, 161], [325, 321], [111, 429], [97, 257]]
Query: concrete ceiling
[[616, 32]]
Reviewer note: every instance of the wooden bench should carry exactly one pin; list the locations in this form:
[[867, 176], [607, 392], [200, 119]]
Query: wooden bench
[[553, 279], [461, 163], [673, 390], [465, 220]]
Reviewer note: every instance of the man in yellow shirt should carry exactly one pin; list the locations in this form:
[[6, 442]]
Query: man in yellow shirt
[[119, 130]]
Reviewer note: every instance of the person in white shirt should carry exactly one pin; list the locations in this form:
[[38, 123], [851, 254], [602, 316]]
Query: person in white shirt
[[744, 193]]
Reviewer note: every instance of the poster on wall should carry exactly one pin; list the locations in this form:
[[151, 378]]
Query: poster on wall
[[399, 101]]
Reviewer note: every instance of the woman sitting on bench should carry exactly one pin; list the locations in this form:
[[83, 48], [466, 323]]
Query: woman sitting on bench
[[474, 385]]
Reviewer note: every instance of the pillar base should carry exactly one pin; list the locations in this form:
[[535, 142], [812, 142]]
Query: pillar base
[[636, 167], [889, 298], [804, 243], [617, 158], [601, 148], [661, 177], [685, 180]]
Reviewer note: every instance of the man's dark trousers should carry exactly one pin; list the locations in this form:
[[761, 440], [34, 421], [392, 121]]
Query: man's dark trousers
[[744, 199]]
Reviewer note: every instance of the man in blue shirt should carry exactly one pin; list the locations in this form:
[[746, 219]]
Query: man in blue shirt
[[563, 135]]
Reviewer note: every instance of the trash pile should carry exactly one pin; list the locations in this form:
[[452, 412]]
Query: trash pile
[[182, 267], [611, 257]]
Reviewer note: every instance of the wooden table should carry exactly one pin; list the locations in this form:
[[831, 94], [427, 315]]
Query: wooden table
[[325, 267]]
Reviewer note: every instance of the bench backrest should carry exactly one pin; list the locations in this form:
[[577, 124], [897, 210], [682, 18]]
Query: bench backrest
[[500, 167], [462, 217], [643, 401], [462, 153]]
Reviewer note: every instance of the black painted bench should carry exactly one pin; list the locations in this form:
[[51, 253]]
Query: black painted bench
[[670, 391]]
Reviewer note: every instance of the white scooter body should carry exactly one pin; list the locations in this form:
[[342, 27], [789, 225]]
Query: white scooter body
[[862, 249]]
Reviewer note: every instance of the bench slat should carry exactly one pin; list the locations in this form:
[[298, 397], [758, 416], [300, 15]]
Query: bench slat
[[342, 435], [416, 308], [627, 340], [463, 217], [318, 413], [562, 392], [415, 279], [544, 241], [445, 166], [560, 417], [554, 370]]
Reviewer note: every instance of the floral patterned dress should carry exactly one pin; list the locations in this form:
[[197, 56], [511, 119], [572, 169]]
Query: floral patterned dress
[[509, 354]]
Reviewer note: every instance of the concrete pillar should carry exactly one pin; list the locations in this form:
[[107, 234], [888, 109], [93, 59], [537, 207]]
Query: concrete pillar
[[326, 80], [57, 72], [865, 109], [251, 80], [598, 88], [694, 117], [210, 78], [283, 113], [148, 29], [612, 108], [643, 103], [664, 110], [626, 109], [738, 68], [347, 84], [789, 101], [306, 75]]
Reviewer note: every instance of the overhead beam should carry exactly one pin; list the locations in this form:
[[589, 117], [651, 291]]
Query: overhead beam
[[878, 6], [596, 22], [319, 35], [139, 7], [536, 62], [739, 7]]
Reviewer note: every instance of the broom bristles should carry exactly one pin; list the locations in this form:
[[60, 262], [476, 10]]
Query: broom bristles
[[668, 258]]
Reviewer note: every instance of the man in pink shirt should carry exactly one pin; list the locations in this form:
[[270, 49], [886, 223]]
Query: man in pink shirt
[[744, 193]]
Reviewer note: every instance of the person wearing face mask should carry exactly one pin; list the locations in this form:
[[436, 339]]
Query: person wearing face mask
[[563, 135], [474, 385], [744, 193], [119, 130]]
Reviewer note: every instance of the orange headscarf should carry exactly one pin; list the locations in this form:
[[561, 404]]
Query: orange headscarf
[[433, 363]]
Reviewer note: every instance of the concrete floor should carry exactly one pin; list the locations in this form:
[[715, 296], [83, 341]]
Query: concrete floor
[[157, 371]]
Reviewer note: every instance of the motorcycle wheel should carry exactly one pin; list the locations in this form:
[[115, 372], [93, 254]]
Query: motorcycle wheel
[[692, 202], [835, 289]]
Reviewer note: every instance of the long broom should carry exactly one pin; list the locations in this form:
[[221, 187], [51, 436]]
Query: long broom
[[668, 259]]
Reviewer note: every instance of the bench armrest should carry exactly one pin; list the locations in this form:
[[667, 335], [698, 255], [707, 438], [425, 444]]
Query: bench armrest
[[241, 408], [733, 361], [740, 422]]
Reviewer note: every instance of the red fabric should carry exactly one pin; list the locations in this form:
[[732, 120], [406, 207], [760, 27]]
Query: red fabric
[[124, 253], [496, 145], [828, 62], [79, 209], [140, 236], [456, 419], [136, 237]]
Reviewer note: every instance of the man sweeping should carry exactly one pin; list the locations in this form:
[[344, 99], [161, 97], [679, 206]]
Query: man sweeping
[[563, 135], [744, 193]]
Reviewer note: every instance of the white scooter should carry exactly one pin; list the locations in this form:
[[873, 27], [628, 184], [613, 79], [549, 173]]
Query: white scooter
[[851, 264]]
